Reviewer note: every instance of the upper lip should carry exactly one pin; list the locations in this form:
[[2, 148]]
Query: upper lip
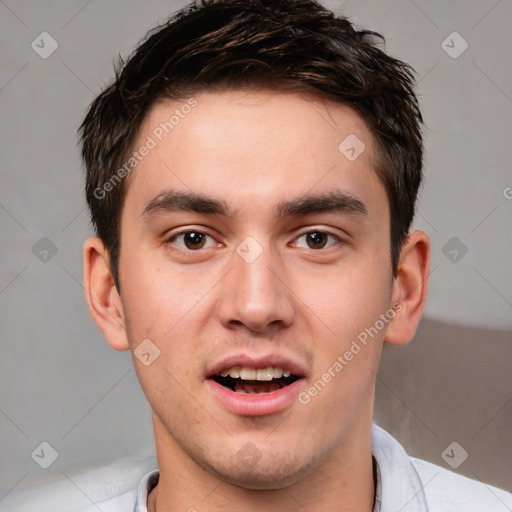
[[244, 359]]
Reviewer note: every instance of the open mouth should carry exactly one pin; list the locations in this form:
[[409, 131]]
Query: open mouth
[[254, 381]]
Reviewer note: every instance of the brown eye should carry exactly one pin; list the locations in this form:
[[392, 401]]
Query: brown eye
[[191, 241], [194, 240], [316, 239]]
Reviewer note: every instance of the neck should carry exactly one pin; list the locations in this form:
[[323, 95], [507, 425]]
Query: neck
[[343, 482]]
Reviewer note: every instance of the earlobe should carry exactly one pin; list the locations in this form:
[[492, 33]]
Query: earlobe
[[410, 288], [102, 296]]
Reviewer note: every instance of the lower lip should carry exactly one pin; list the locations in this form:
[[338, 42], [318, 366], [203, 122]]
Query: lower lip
[[260, 404]]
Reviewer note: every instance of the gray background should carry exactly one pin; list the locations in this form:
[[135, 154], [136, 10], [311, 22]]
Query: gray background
[[59, 380]]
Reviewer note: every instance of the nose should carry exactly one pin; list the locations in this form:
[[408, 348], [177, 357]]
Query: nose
[[254, 295]]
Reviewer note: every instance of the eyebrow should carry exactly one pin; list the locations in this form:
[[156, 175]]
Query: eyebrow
[[171, 201], [334, 201]]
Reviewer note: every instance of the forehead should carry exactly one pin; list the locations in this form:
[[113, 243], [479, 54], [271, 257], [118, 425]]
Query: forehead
[[253, 147]]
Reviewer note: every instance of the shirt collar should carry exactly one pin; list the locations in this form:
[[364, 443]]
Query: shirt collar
[[401, 487], [146, 485]]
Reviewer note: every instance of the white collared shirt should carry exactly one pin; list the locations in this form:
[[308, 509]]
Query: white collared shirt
[[404, 484]]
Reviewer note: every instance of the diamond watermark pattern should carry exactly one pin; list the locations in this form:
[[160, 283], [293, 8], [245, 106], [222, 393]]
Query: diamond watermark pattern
[[454, 45], [45, 455], [44, 45], [454, 455], [249, 249], [147, 352], [44, 250], [352, 147], [249, 454], [454, 249]]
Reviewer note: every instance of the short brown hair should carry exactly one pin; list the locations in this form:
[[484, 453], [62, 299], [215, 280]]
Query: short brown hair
[[284, 45]]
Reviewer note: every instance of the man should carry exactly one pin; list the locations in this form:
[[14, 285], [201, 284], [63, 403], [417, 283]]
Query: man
[[252, 174]]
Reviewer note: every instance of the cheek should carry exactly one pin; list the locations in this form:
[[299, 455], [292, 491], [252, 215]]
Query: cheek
[[165, 309], [156, 301], [345, 311], [154, 315], [344, 302]]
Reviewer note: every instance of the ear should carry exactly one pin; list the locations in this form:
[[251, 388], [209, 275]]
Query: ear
[[410, 287], [102, 296]]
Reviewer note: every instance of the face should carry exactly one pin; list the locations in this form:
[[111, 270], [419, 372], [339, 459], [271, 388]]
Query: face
[[255, 257]]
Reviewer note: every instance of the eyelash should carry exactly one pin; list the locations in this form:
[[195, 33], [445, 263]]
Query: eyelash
[[174, 237]]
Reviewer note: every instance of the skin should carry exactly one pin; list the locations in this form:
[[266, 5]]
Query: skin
[[254, 150]]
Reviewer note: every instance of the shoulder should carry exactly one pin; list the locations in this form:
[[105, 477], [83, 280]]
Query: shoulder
[[446, 491], [111, 488], [413, 485]]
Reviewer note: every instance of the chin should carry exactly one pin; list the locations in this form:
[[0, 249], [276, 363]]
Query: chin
[[275, 474], [259, 480]]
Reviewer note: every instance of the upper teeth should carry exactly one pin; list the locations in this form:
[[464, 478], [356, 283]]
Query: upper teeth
[[246, 373]]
